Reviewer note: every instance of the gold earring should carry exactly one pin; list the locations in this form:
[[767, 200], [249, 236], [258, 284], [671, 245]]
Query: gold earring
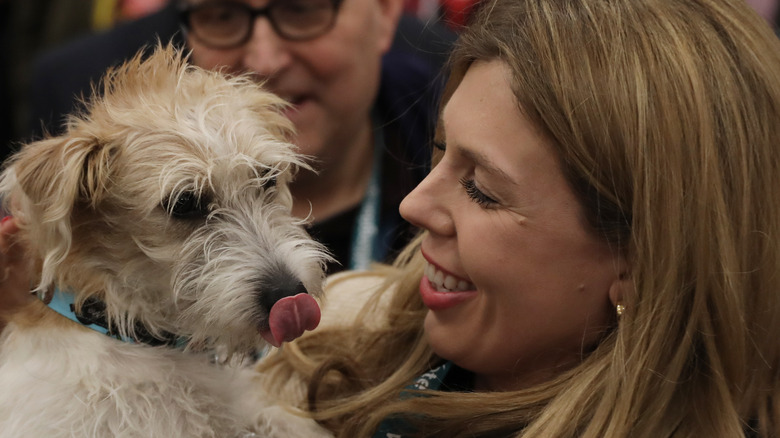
[[619, 309]]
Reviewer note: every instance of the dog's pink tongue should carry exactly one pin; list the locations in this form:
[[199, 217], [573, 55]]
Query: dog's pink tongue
[[290, 317]]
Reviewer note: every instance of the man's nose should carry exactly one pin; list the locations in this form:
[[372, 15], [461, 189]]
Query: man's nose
[[266, 52]]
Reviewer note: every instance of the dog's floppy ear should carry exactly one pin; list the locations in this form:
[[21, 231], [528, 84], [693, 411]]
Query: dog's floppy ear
[[61, 172], [43, 183]]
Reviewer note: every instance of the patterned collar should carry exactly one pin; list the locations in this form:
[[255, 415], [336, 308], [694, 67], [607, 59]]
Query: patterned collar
[[446, 377]]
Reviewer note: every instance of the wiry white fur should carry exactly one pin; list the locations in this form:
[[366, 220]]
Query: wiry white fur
[[94, 209], [73, 383]]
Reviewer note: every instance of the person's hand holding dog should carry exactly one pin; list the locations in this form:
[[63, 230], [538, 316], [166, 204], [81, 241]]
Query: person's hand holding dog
[[14, 272]]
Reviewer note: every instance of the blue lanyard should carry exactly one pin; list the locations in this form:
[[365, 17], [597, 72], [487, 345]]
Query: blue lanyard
[[366, 240]]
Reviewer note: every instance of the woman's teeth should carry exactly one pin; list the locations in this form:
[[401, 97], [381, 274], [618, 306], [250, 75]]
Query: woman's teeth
[[444, 282]]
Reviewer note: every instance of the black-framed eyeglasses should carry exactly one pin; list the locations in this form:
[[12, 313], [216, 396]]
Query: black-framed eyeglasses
[[229, 24]]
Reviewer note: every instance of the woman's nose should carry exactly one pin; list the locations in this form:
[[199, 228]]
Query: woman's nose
[[429, 205], [266, 53]]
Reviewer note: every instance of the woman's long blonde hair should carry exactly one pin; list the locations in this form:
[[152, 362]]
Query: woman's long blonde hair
[[666, 118]]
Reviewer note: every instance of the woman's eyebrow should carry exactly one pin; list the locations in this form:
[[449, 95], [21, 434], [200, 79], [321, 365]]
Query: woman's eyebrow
[[481, 160]]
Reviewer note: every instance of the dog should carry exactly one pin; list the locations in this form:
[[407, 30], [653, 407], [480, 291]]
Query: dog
[[164, 212]]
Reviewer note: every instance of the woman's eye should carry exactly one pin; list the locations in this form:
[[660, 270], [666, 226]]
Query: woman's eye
[[476, 194], [440, 145]]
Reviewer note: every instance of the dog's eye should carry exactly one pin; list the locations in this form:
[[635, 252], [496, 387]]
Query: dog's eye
[[268, 176], [269, 183], [187, 205]]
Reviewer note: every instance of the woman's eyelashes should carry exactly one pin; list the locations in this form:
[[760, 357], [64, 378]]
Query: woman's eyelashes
[[476, 194], [472, 191]]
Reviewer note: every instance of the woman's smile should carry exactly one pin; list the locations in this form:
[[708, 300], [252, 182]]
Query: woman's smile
[[440, 290]]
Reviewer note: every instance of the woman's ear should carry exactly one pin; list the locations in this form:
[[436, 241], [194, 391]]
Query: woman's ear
[[619, 289], [622, 287]]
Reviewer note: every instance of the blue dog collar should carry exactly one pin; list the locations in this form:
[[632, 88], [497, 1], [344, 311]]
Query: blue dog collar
[[64, 304], [92, 315]]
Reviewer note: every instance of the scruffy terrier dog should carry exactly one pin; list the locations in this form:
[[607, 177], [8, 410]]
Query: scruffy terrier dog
[[164, 212]]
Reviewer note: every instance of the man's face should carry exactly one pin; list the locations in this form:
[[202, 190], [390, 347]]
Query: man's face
[[331, 81]]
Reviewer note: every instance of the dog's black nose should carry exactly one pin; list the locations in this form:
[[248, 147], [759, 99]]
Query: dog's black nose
[[277, 285]]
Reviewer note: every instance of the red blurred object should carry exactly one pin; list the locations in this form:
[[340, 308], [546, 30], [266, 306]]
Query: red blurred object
[[456, 12], [134, 9]]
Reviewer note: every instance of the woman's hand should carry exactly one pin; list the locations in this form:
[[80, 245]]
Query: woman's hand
[[14, 272]]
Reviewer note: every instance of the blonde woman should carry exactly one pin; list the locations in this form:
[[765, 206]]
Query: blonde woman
[[601, 248], [600, 256]]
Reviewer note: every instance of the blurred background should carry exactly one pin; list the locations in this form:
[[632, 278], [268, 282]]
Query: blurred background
[[29, 28]]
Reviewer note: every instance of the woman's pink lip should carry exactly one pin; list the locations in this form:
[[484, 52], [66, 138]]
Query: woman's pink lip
[[438, 268], [435, 300]]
